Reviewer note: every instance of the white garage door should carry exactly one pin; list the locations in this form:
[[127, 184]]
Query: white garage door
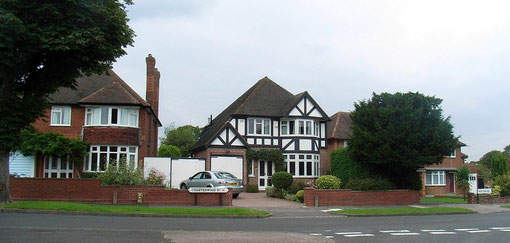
[[230, 164]]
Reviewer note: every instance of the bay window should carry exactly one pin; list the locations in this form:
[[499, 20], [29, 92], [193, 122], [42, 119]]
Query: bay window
[[102, 156], [300, 127], [111, 116], [302, 165]]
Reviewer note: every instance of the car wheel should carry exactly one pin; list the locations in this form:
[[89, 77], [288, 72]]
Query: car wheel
[[184, 187], [235, 195]]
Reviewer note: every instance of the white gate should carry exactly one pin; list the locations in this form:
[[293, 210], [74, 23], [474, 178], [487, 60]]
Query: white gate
[[473, 183], [175, 170]]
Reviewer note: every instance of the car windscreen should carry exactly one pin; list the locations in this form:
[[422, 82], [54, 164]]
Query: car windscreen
[[225, 175]]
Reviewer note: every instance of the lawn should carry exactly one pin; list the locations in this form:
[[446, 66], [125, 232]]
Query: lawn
[[391, 211], [506, 206], [443, 200], [84, 207]]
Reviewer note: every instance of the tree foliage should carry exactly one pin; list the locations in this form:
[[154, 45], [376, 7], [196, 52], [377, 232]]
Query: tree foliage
[[282, 180], [488, 157], [182, 137], [503, 182], [52, 144], [169, 151], [395, 134], [274, 155], [499, 164], [46, 45], [462, 179]]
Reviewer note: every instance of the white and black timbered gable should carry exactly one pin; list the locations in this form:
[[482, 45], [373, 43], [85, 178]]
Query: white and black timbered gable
[[228, 137], [306, 107]]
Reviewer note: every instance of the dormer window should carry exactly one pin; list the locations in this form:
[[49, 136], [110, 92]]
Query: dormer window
[[259, 126], [111, 116], [60, 116]]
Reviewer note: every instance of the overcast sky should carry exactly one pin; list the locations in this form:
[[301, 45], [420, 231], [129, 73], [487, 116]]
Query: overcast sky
[[210, 52]]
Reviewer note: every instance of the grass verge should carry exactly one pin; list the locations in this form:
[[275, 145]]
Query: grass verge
[[443, 200], [506, 206], [400, 211], [83, 207]]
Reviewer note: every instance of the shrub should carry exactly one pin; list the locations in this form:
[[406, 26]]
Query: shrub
[[300, 195], [124, 174], [296, 186], [252, 189], [155, 177], [369, 184], [327, 182], [503, 181], [169, 151], [290, 197], [272, 192], [496, 191], [282, 180], [343, 167]]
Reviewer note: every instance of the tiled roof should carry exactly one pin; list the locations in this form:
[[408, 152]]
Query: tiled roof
[[264, 99], [107, 88], [340, 126]]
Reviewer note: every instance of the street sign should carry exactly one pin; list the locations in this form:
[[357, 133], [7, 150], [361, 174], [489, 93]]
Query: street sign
[[485, 191], [208, 190]]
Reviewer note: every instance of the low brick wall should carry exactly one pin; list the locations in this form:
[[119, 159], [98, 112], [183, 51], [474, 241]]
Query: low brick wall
[[487, 199], [347, 197], [90, 190]]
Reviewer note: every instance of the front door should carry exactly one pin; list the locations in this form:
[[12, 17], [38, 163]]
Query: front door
[[451, 178], [266, 170]]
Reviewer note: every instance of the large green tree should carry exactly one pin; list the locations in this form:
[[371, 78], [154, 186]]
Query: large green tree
[[182, 137], [488, 157], [393, 135], [499, 164], [45, 45]]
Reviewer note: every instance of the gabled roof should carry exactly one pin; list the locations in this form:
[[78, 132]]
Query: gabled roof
[[104, 89], [340, 126], [264, 99], [107, 88]]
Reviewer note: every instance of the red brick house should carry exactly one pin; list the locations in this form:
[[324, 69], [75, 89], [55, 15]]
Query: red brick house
[[437, 179], [107, 114], [267, 117]]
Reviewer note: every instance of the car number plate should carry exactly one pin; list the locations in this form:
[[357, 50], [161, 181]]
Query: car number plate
[[232, 184]]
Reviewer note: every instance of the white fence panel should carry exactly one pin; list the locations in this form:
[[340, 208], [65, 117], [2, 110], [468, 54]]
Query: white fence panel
[[183, 168], [161, 164]]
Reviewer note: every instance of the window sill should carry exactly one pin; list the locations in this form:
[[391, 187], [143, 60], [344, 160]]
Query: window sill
[[117, 126], [60, 125], [435, 185]]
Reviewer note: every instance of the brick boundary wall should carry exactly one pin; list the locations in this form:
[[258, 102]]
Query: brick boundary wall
[[486, 199], [347, 197], [90, 190]]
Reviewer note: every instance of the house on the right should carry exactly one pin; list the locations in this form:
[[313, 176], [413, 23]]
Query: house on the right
[[437, 179]]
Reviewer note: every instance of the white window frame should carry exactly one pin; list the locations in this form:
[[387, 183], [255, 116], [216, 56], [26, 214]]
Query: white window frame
[[306, 159], [49, 170], [262, 122], [437, 178], [93, 116], [60, 111], [453, 154], [310, 128], [131, 153]]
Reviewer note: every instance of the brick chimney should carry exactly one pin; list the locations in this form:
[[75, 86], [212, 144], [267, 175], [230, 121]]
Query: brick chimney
[[152, 95]]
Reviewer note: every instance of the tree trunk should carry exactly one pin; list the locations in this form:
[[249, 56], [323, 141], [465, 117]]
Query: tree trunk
[[5, 196]]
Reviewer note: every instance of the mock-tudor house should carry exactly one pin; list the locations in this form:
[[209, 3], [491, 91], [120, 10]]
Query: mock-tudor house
[[107, 114], [267, 117], [437, 179]]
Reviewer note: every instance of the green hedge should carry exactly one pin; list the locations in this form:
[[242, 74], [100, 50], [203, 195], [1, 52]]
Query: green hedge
[[282, 180], [369, 184], [343, 167]]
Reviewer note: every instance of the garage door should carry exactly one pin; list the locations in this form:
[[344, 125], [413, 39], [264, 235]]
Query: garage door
[[230, 164]]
